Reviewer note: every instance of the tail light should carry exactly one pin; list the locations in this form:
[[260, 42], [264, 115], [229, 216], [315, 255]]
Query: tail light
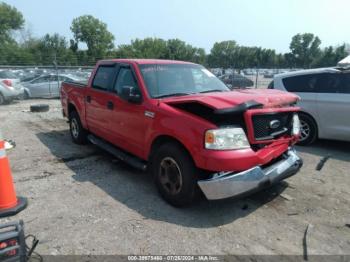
[[7, 82]]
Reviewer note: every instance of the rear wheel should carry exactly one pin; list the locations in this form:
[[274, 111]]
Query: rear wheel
[[175, 175], [78, 133], [308, 130]]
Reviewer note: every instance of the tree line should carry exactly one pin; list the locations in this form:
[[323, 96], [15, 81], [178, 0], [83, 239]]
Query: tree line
[[19, 47]]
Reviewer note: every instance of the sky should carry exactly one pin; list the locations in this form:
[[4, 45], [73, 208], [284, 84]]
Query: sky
[[201, 23]]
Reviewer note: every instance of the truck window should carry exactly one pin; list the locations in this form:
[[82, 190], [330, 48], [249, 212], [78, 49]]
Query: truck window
[[125, 78], [104, 77], [168, 79]]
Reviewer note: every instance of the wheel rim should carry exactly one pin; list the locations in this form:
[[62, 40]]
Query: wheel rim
[[170, 176], [74, 128], [305, 130]]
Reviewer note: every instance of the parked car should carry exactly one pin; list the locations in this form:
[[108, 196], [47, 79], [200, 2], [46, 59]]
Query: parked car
[[325, 101], [179, 121], [235, 80], [47, 86], [10, 87]]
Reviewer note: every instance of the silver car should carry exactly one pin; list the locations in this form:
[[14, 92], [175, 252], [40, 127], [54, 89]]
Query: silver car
[[325, 101], [10, 87], [47, 86]]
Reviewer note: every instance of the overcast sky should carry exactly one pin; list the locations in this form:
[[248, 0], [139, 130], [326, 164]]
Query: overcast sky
[[265, 23]]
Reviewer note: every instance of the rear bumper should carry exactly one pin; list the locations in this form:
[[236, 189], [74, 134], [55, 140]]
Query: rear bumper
[[13, 94], [236, 184]]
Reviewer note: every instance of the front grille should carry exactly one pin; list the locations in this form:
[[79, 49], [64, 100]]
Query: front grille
[[266, 127]]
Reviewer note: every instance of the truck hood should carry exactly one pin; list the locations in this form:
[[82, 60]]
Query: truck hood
[[268, 98]]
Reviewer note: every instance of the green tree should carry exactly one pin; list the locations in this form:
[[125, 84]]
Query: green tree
[[330, 56], [161, 49], [223, 54], [95, 34], [179, 50], [10, 19], [54, 49], [305, 48]]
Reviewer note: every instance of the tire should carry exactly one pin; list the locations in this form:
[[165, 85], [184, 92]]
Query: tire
[[178, 186], [39, 108], [2, 99], [77, 132], [308, 130]]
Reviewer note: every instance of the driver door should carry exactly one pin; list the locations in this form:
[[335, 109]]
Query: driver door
[[128, 121]]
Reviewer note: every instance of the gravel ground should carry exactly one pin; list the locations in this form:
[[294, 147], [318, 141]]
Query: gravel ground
[[82, 201]]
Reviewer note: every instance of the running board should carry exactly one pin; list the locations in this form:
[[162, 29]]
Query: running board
[[131, 160]]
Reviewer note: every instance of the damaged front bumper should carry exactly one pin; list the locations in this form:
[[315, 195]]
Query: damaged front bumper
[[232, 184]]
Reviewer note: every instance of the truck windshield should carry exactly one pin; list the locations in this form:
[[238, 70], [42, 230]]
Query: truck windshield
[[179, 79]]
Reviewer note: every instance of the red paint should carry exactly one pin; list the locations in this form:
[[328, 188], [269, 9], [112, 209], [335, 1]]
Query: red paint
[[127, 126]]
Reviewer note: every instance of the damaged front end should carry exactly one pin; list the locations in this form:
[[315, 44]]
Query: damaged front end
[[269, 158]]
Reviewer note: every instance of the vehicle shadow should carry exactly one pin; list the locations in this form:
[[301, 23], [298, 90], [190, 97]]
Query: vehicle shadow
[[135, 189], [334, 149]]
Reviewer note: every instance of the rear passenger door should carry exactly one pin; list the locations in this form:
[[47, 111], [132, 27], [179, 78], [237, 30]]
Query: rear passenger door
[[334, 106], [97, 99]]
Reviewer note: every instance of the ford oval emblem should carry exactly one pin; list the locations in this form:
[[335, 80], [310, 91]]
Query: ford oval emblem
[[275, 124]]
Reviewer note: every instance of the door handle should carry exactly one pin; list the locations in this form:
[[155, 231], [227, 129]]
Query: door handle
[[88, 99], [110, 105]]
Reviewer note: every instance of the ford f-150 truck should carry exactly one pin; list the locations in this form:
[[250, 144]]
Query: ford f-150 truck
[[179, 121]]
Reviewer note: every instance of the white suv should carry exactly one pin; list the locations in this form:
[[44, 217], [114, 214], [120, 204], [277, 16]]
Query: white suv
[[325, 101]]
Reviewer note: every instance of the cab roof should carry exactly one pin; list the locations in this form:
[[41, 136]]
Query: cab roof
[[144, 61]]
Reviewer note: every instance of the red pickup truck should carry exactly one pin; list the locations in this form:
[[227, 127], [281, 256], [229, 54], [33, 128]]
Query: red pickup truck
[[179, 121]]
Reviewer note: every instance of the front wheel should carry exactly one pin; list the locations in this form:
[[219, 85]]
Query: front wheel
[[308, 130], [175, 175], [77, 132]]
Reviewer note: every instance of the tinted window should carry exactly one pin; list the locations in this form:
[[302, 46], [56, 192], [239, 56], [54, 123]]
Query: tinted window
[[125, 78], [271, 85], [336, 83], [304, 83], [346, 82], [104, 77]]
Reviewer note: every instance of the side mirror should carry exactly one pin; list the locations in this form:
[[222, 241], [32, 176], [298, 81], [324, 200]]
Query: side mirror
[[131, 94]]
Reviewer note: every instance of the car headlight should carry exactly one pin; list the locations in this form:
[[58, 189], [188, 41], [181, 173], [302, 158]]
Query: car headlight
[[296, 125], [226, 139]]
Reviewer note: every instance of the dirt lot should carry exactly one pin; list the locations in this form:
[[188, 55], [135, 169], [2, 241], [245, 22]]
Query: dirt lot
[[82, 201]]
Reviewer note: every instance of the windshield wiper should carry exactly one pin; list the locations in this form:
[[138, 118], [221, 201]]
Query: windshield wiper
[[213, 90], [174, 94]]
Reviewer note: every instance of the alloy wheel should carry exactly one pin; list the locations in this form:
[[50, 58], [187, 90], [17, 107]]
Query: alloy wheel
[[170, 176]]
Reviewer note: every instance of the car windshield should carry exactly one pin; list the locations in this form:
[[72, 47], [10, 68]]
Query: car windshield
[[8, 75], [179, 79]]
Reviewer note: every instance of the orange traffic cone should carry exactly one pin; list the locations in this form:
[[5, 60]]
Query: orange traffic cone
[[9, 204]]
